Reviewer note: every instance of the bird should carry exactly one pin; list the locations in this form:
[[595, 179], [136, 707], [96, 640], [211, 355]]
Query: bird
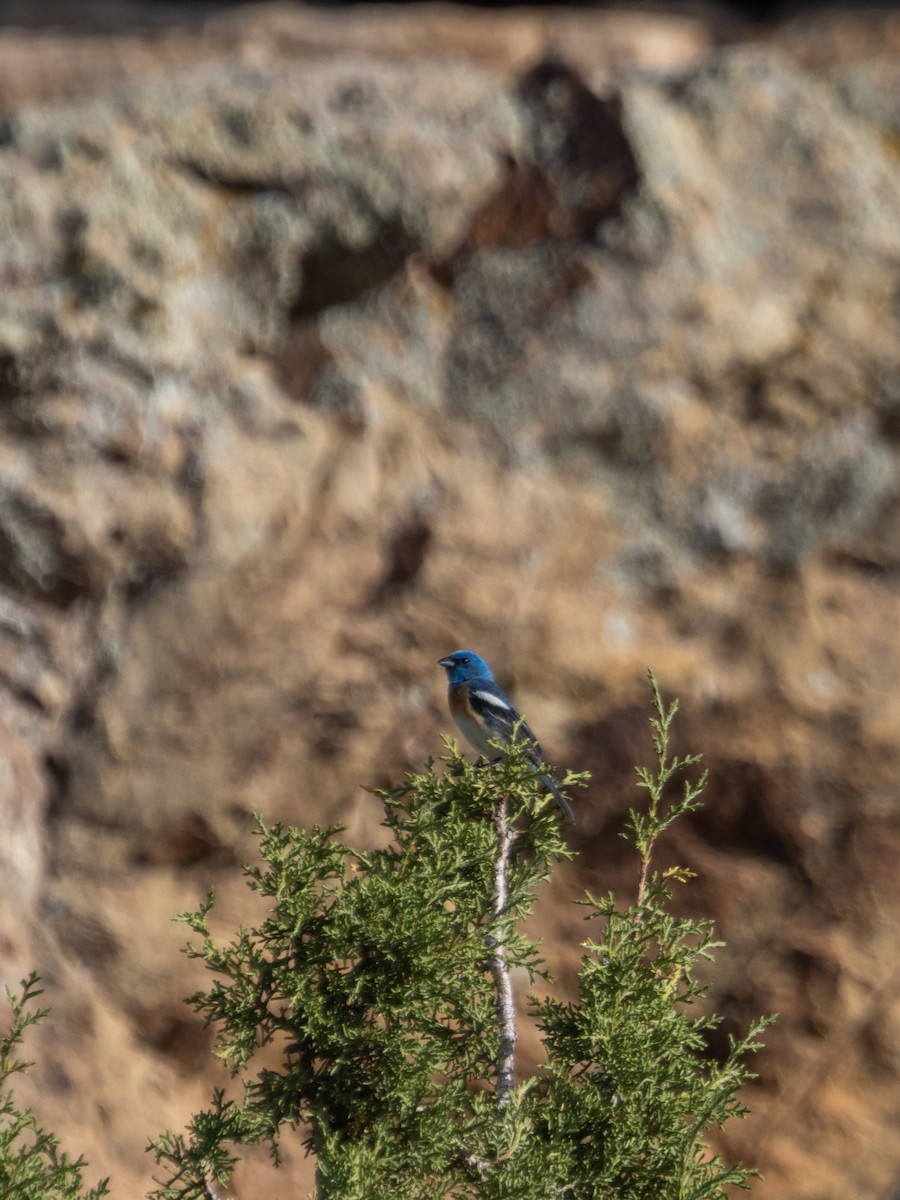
[[483, 711]]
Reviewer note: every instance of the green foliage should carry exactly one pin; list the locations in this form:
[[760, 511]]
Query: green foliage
[[370, 993], [644, 829], [31, 1165], [630, 1095]]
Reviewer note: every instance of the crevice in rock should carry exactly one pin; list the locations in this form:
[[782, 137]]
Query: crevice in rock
[[581, 171], [335, 273], [407, 551]]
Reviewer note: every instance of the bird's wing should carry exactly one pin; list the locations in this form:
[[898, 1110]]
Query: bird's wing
[[497, 713], [493, 715]]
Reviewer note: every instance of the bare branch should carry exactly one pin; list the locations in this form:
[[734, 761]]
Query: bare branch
[[477, 1167], [642, 885], [211, 1190], [506, 1013]]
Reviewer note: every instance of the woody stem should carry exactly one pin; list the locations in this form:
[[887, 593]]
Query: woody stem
[[506, 1013]]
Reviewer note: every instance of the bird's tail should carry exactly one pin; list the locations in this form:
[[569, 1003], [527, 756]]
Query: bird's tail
[[559, 798]]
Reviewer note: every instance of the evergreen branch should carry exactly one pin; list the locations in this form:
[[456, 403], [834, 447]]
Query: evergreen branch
[[32, 1167], [384, 978], [643, 830]]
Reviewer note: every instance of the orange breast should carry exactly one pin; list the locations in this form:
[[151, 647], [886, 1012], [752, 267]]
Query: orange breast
[[460, 706]]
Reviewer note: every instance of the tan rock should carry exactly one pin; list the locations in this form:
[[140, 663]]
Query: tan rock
[[324, 360]]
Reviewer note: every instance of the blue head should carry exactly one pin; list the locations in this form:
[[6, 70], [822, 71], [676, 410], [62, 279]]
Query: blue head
[[465, 666]]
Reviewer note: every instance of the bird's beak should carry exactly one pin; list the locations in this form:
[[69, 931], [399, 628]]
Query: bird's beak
[[445, 662]]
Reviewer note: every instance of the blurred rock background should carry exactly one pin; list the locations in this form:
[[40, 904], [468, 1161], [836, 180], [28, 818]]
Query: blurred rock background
[[331, 341]]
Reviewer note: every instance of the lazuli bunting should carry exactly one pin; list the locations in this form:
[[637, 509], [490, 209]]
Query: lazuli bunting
[[482, 710]]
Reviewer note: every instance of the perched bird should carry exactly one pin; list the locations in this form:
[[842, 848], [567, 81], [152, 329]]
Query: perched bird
[[482, 710]]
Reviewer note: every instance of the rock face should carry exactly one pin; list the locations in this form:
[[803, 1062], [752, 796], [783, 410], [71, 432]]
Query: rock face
[[316, 366]]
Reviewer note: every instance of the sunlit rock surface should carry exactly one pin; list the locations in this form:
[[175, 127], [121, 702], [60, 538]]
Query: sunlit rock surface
[[330, 345]]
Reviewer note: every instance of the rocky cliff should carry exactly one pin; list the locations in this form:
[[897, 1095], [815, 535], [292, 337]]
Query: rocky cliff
[[328, 345]]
